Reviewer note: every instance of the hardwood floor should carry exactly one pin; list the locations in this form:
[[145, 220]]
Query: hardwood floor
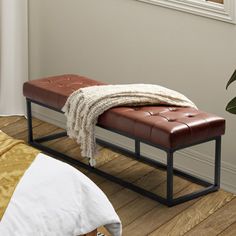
[[214, 214]]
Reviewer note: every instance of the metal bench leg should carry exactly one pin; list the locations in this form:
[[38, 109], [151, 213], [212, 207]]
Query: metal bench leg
[[170, 172], [208, 189], [217, 162], [29, 121], [137, 148]]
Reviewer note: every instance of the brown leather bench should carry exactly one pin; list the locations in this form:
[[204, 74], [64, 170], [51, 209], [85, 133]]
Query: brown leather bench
[[166, 127]]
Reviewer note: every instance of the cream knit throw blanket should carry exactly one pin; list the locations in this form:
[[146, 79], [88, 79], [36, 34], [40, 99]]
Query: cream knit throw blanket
[[84, 106]]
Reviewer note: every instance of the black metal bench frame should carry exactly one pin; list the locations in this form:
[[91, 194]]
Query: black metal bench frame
[[169, 167]]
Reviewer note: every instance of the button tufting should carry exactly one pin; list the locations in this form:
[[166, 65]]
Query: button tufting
[[171, 120], [190, 115]]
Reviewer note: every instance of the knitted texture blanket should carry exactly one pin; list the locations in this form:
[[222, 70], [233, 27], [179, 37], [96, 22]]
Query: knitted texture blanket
[[84, 106]]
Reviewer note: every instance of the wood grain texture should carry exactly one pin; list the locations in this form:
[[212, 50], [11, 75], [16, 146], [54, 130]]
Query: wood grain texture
[[195, 214], [142, 205], [209, 215], [157, 216], [24, 134], [5, 121], [13, 128], [230, 231], [217, 222], [8, 125]]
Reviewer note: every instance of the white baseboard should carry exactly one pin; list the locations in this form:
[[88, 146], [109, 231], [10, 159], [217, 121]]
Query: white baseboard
[[188, 160]]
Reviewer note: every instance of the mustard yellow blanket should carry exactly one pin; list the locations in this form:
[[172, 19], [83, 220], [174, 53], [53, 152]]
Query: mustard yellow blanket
[[15, 158]]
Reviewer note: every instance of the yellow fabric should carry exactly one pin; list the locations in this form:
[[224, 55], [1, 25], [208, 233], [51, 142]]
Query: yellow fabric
[[15, 158]]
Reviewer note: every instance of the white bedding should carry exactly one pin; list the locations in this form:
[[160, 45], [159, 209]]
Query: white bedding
[[55, 199]]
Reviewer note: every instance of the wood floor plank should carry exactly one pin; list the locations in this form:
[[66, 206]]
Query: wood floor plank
[[17, 127], [63, 144], [45, 129], [142, 205], [158, 216], [124, 196], [152, 179], [24, 134], [120, 196], [195, 214], [135, 172], [104, 157], [119, 167], [135, 209], [116, 165], [129, 173], [230, 231], [217, 222], [109, 187], [76, 152], [149, 182], [14, 128], [6, 120], [13, 123], [121, 163]]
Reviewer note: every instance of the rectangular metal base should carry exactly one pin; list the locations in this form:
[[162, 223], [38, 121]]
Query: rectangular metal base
[[169, 200]]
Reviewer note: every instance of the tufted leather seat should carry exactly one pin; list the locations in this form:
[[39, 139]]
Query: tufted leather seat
[[168, 126]]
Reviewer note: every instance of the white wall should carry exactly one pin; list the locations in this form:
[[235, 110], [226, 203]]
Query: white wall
[[126, 41]]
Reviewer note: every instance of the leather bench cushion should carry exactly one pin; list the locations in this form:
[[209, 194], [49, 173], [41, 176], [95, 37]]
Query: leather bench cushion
[[168, 126]]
